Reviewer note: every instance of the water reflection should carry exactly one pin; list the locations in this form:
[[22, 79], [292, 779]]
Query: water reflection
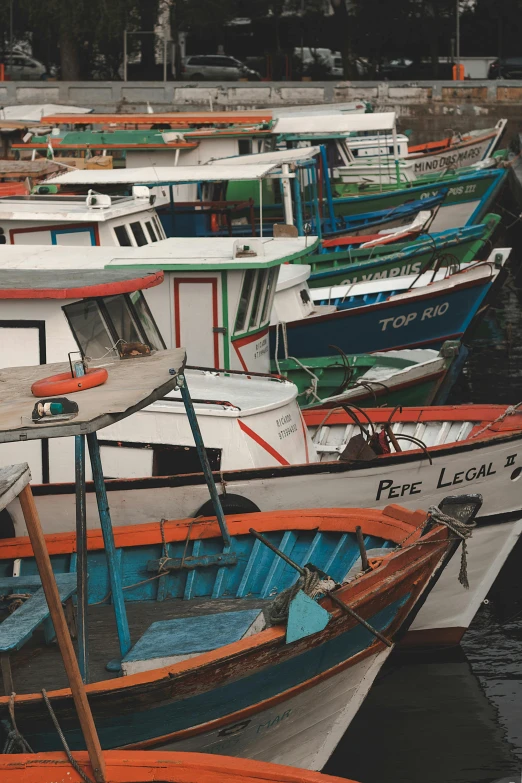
[[426, 719]]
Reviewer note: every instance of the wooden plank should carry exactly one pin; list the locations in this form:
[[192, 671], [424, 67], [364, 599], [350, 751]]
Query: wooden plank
[[52, 595], [276, 569], [7, 674], [13, 478]]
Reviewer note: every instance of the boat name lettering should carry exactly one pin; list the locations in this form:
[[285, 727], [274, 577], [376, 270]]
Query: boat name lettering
[[284, 420], [395, 272], [444, 161], [261, 348], [465, 475], [404, 320], [510, 460], [273, 722], [287, 431], [397, 490]]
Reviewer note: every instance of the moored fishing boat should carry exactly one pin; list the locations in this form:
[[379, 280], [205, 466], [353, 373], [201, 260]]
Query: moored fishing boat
[[340, 264], [243, 676], [409, 377], [150, 767], [472, 448], [409, 313], [468, 197]]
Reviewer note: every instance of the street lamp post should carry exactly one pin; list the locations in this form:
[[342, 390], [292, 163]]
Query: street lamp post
[[457, 37]]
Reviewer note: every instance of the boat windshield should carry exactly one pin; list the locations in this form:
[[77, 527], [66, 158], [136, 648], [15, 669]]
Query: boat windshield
[[102, 327]]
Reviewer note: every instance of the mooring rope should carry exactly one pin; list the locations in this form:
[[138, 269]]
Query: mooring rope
[[510, 411], [311, 583], [74, 764], [15, 742], [462, 530]]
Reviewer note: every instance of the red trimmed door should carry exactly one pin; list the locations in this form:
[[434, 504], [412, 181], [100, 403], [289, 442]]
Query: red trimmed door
[[196, 319]]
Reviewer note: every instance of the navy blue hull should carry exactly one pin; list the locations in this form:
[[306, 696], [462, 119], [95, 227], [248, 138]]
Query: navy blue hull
[[424, 321]]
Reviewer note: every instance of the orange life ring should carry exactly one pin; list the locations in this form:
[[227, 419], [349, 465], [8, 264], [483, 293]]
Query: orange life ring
[[64, 383]]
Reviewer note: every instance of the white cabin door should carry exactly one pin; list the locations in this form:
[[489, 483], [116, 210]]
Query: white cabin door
[[22, 343], [196, 319]]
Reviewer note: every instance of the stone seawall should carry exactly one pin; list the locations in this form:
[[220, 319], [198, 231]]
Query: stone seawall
[[427, 108]]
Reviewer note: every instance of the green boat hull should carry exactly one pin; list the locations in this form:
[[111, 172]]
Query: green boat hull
[[344, 267], [329, 376]]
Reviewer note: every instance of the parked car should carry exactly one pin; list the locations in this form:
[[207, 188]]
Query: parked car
[[506, 68], [23, 67], [217, 68]]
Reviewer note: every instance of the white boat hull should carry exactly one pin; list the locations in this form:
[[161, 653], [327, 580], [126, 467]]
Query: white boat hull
[[490, 468], [301, 731]]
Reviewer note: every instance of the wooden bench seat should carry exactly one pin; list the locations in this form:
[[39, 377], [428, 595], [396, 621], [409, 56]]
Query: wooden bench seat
[[19, 626]]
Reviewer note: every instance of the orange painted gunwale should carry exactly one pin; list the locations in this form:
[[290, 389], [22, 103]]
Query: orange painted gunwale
[[148, 766], [481, 414], [466, 142], [401, 563]]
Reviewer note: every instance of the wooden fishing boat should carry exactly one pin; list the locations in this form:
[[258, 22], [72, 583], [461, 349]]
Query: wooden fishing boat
[[469, 196], [408, 316], [339, 264], [149, 767], [455, 152], [278, 636], [469, 448], [409, 377], [210, 673], [384, 219]]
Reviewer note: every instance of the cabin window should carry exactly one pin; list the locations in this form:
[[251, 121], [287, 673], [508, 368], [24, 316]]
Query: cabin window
[[122, 235], [167, 460], [139, 234], [146, 320], [89, 328], [121, 319], [244, 146], [150, 229], [101, 327], [258, 297], [269, 293], [244, 300], [159, 228]]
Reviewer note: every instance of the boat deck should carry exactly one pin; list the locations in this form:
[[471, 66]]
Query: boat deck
[[38, 665]]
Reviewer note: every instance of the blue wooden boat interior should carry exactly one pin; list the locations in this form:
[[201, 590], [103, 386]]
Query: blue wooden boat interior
[[253, 573]]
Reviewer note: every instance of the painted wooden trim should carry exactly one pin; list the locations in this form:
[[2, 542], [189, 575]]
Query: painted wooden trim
[[262, 442], [87, 291], [56, 227]]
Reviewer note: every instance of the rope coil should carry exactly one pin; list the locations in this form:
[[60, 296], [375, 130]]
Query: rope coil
[[311, 582], [462, 530]]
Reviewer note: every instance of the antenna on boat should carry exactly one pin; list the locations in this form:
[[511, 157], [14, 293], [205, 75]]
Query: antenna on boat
[[203, 458], [19, 486]]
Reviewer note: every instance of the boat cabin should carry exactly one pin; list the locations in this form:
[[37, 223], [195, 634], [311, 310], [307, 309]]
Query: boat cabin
[[101, 316], [94, 219], [216, 298]]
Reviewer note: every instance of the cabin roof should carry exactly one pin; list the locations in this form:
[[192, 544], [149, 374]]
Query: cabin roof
[[132, 385], [73, 283], [57, 208], [179, 118], [156, 175], [334, 123], [34, 112], [175, 254], [275, 156]]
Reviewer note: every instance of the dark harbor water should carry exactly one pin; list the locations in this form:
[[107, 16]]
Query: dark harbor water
[[456, 716]]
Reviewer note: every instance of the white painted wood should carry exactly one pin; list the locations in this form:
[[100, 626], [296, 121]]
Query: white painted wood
[[19, 346], [302, 730], [197, 320]]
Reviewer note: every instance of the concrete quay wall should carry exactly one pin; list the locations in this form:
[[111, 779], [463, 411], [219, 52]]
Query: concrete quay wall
[[427, 108]]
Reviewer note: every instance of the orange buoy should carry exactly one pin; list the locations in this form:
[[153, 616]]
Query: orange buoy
[[65, 383]]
